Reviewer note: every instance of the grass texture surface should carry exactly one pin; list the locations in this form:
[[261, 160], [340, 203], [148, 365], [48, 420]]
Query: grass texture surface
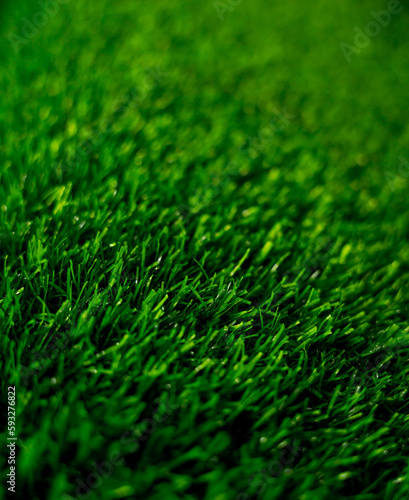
[[204, 249]]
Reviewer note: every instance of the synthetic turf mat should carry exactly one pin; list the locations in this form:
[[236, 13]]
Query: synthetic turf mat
[[204, 255]]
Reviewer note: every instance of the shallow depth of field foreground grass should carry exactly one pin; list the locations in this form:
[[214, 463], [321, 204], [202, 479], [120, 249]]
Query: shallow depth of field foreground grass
[[204, 249]]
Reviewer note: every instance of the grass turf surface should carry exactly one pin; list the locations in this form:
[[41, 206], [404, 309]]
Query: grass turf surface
[[204, 251]]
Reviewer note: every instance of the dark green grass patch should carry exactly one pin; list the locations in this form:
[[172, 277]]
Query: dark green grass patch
[[203, 246]]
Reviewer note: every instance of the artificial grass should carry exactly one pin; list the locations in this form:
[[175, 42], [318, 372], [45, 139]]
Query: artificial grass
[[204, 253]]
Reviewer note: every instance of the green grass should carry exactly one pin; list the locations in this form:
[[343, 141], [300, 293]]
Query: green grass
[[204, 252]]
